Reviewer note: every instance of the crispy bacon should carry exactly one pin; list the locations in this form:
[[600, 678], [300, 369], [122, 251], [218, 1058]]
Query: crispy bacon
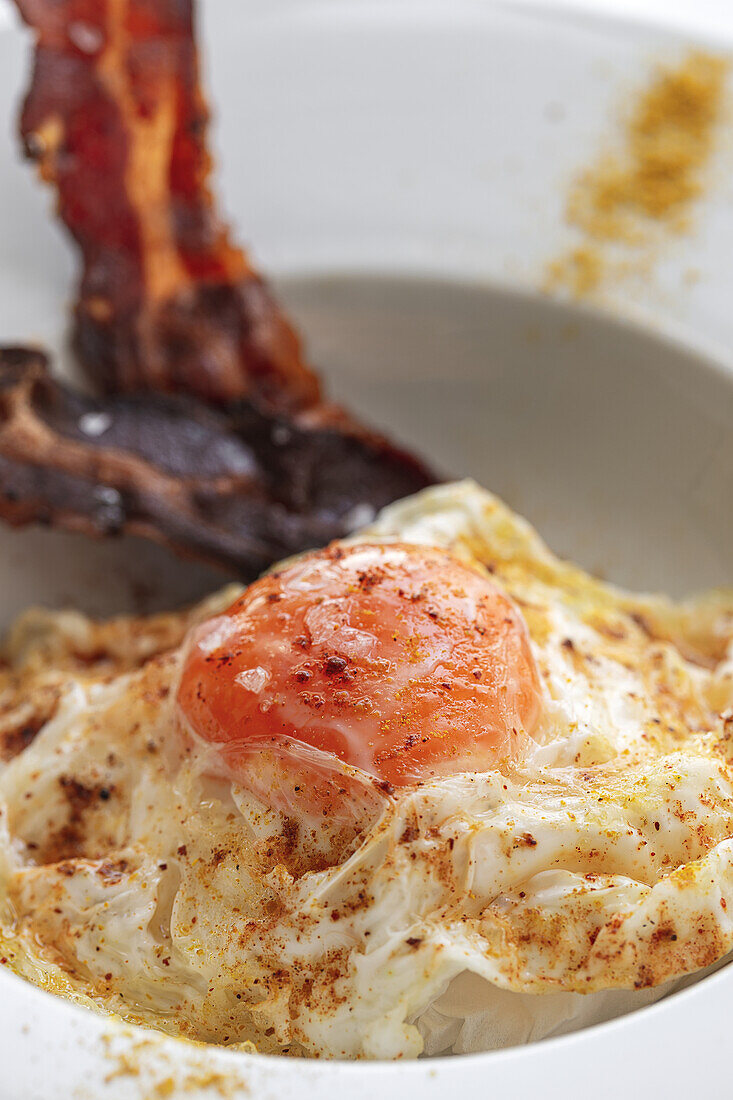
[[116, 120], [213, 437], [239, 488]]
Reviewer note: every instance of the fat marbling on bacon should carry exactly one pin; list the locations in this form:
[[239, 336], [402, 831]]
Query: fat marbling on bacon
[[116, 121]]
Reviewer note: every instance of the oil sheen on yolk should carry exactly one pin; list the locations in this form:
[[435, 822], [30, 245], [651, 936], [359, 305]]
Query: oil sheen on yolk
[[394, 659]]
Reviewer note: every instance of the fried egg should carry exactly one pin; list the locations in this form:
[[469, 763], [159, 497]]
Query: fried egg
[[428, 790]]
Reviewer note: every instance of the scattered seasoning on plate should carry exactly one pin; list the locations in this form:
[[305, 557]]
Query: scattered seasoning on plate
[[644, 190]]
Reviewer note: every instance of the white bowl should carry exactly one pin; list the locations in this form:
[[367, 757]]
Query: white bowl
[[400, 168]]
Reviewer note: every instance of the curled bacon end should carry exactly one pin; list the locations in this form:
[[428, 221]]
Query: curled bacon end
[[116, 121], [240, 489]]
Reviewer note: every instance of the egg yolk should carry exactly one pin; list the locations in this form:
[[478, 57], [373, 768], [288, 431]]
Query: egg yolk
[[396, 660]]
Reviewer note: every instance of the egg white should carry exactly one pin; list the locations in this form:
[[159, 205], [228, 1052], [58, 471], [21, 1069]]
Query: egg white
[[596, 871]]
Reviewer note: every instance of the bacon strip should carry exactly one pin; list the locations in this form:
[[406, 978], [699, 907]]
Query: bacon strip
[[238, 488], [214, 438], [115, 119]]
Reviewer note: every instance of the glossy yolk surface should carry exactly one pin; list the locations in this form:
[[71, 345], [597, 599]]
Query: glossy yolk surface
[[394, 659]]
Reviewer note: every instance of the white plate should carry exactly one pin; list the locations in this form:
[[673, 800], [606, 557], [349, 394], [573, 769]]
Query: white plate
[[401, 168]]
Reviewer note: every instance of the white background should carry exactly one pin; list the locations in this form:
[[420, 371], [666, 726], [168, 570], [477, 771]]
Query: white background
[[703, 16]]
